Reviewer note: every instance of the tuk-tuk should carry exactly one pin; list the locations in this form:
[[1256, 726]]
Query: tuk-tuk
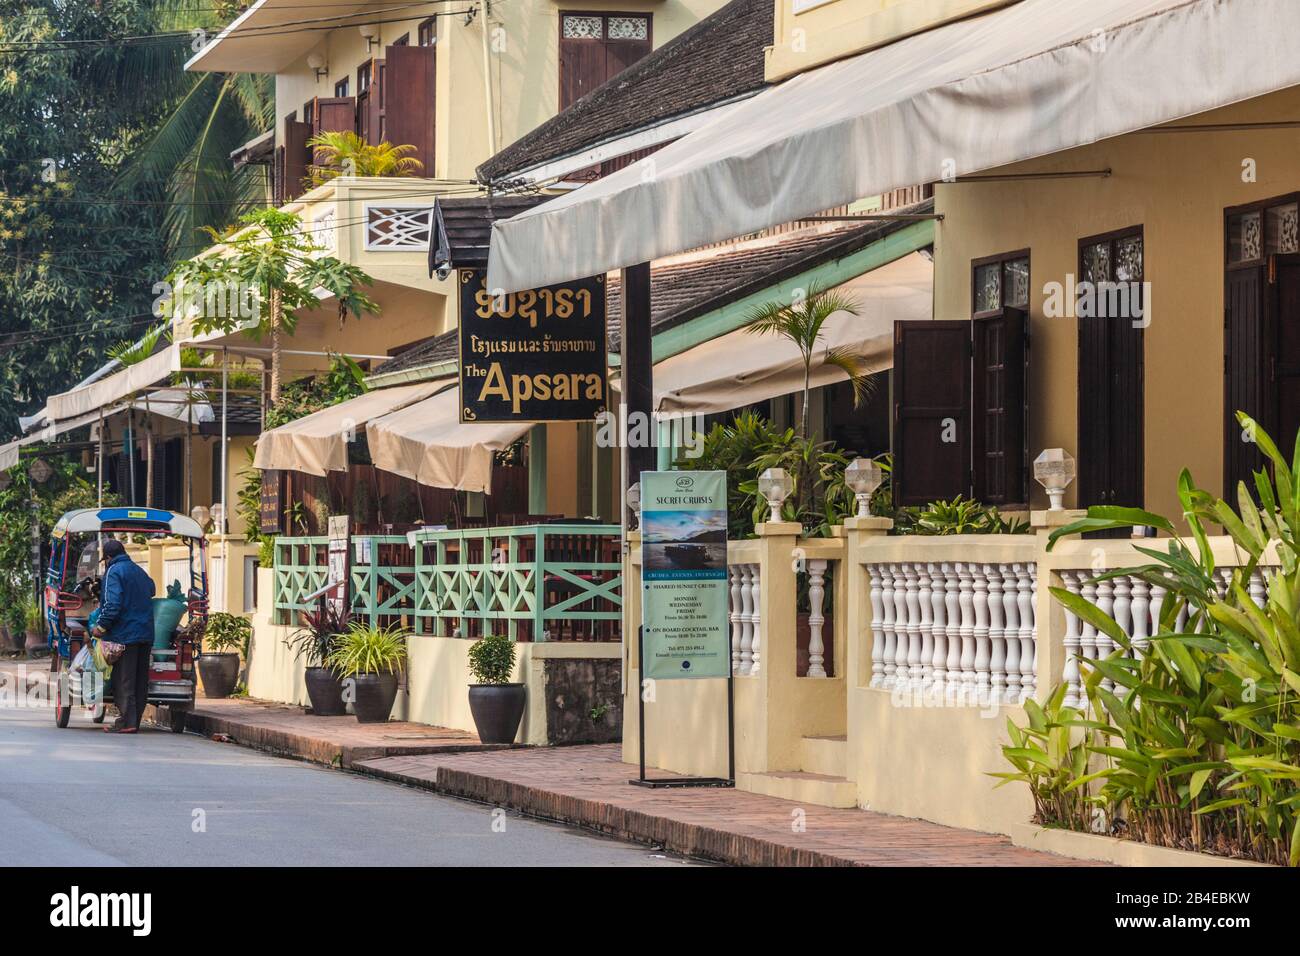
[[72, 593]]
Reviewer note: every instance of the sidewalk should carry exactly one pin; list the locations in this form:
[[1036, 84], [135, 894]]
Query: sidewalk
[[588, 786]]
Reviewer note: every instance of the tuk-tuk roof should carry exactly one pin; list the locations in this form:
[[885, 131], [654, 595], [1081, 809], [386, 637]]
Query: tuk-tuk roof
[[143, 520]]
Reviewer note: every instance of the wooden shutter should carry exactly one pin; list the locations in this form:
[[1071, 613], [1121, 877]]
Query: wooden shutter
[[333, 114], [999, 426], [931, 410], [295, 159], [1246, 361], [410, 75], [370, 106], [1126, 445], [1284, 366], [582, 68]]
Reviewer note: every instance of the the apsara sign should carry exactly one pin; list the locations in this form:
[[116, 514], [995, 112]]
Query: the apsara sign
[[533, 356]]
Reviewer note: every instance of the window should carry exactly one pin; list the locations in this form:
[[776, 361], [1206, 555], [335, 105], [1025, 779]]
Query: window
[[403, 40], [1263, 230], [427, 32], [999, 282], [1110, 309], [363, 77], [594, 47], [341, 87], [309, 112]]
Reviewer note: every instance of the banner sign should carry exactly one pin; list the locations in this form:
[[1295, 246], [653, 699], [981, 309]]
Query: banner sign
[[534, 356], [338, 553], [684, 575]]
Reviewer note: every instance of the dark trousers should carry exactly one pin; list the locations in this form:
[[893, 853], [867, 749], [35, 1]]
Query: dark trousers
[[131, 683]]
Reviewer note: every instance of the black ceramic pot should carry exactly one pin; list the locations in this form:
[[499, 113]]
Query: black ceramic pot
[[325, 692], [220, 673], [497, 710], [373, 697]]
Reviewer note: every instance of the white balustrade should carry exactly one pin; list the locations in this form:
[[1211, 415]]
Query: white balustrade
[[816, 597]]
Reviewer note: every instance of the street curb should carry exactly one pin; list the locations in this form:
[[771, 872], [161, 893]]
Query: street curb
[[676, 836], [282, 743]]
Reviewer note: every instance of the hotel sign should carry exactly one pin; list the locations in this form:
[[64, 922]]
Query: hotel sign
[[533, 356]]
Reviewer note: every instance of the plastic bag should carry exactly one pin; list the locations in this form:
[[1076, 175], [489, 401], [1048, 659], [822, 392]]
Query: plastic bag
[[83, 661], [112, 651], [167, 613]]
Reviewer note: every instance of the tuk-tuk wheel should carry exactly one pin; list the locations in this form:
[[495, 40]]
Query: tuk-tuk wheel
[[62, 710]]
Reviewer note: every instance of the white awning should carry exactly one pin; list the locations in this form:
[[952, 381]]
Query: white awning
[[1031, 79], [741, 368], [112, 388], [427, 442], [318, 443], [9, 453]]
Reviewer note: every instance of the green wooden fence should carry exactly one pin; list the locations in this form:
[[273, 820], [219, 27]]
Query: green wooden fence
[[530, 582]]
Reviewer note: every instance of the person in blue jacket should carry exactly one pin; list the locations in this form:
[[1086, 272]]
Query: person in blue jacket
[[126, 617]]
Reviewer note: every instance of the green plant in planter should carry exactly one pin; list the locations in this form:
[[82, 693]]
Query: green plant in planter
[[227, 634], [33, 617], [363, 649], [492, 659], [315, 641], [961, 515], [1050, 754]]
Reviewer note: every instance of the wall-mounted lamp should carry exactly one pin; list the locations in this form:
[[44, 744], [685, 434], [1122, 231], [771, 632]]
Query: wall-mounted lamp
[[371, 33], [317, 63]]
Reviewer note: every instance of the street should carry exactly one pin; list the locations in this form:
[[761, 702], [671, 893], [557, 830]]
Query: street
[[78, 797]]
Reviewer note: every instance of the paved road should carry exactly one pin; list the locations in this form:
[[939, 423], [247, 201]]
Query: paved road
[[79, 797]]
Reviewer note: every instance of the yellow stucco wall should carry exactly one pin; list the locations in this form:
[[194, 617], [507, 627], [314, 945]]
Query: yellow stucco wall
[[810, 33], [524, 52], [1176, 186]]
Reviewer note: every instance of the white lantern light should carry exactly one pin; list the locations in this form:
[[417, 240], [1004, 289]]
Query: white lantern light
[[369, 32], [200, 514], [1054, 470], [633, 498], [316, 62], [775, 485], [218, 518], [863, 476]]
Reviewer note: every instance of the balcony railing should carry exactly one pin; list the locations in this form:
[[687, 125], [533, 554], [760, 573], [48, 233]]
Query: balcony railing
[[554, 582]]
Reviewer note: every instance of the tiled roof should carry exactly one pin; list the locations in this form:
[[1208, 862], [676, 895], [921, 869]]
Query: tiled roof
[[681, 291], [462, 228], [717, 59]]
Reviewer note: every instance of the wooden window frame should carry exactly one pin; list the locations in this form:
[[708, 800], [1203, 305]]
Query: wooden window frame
[[1260, 206], [365, 76], [427, 32], [341, 88], [999, 259], [605, 16], [403, 40]]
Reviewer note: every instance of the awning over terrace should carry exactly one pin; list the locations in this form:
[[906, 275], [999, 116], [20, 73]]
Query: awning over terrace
[[9, 452], [427, 442], [741, 368], [115, 387], [1028, 80], [318, 443]]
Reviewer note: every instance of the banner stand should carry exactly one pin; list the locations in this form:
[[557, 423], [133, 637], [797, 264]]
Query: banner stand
[[668, 782]]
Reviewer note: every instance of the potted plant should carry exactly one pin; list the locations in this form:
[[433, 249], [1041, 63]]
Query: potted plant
[[367, 659], [225, 638], [497, 704], [312, 644], [34, 626]]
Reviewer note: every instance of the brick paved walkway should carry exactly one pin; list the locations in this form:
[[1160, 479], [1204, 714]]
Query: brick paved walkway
[[589, 786]]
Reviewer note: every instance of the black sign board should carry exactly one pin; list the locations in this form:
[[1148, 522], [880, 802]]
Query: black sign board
[[271, 520], [534, 356]]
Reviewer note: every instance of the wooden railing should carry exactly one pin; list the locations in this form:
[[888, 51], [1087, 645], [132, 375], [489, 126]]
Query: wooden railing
[[553, 582]]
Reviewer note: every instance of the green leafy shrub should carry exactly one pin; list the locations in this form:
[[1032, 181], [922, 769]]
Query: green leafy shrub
[[492, 659], [1050, 755], [227, 634], [363, 649], [315, 640], [961, 515], [299, 398], [1198, 745]]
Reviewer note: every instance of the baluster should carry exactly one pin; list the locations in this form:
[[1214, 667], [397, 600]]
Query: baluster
[[1158, 593], [1026, 598], [757, 588], [997, 638], [952, 612], [816, 594], [1123, 606], [925, 597], [966, 600], [877, 639], [912, 605], [1141, 611], [983, 655], [746, 618], [1088, 632], [887, 623], [1106, 604], [1258, 588], [901, 676], [1011, 627], [733, 575], [938, 670]]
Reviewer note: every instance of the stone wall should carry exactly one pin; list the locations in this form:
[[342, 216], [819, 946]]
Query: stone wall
[[584, 700]]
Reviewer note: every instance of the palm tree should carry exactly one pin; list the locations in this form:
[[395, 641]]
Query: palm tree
[[801, 323], [344, 153], [270, 253], [204, 117]]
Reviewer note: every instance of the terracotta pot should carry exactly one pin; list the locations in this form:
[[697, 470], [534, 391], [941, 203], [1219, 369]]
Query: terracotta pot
[[325, 692], [373, 696], [497, 710], [35, 643], [220, 674]]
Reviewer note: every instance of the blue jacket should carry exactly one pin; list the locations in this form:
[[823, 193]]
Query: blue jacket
[[126, 602]]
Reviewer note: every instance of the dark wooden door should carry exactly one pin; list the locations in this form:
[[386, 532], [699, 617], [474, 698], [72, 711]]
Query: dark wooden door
[[333, 114], [295, 158], [1285, 365], [1246, 367], [370, 106], [1111, 403], [999, 395], [932, 394], [596, 47], [410, 74]]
